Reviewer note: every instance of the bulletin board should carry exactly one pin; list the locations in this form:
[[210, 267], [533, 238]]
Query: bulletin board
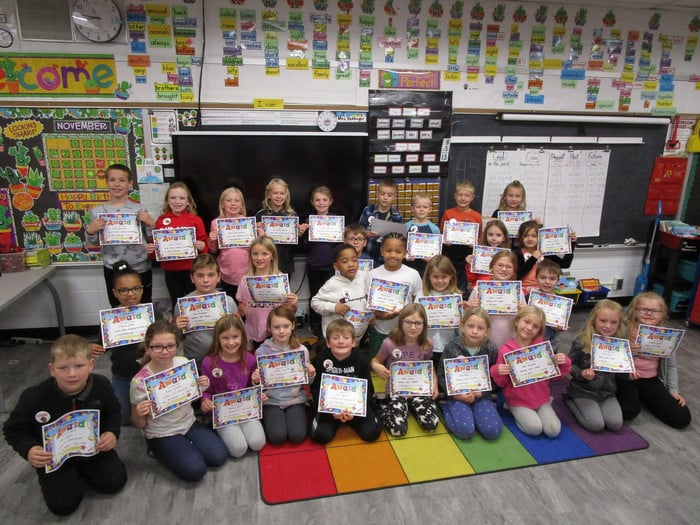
[[52, 172]]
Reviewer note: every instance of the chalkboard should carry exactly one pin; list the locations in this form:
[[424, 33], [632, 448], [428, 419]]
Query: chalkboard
[[628, 174]]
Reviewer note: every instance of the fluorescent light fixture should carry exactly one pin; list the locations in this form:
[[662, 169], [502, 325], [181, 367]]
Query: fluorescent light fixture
[[486, 139], [583, 119], [276, 133], [525, 139], [620, 140], [574, 140]]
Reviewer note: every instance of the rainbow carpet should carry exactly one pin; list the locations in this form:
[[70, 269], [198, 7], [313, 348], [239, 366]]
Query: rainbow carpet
[[347, 464]]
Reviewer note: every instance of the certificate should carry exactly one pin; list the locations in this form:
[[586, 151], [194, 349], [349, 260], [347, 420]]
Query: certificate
[[443, 310], [457, 232], [554, 241], [282, 229], [424, 245], [513, 220], [359, 319], [499, 297], [283, 369], [174, 244], [343, 394], [610, 354], [467, 374], [235, 232], [557, 309], [532, 364], [120, 228], [381, 227], [387, 296], [73, 434], [268, 290], [202, 311], [481, 258], [326, 228], [125, 325], [657, 341], [172, 388], [411, 378], [237, 406]]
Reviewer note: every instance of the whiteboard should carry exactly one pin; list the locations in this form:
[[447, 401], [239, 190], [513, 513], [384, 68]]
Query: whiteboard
[[563, 187]]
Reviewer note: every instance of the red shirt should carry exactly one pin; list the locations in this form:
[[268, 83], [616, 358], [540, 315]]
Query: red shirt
[[184, 220]]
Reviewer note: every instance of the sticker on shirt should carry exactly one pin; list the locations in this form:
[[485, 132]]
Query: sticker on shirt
[[42, 416]]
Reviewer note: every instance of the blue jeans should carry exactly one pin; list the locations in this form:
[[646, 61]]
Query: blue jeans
[[188, 455], [121, 387]]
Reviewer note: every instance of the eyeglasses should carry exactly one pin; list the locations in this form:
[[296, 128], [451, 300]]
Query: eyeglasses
[[160, 348], [652, 311], [125, 291], [414, 324]]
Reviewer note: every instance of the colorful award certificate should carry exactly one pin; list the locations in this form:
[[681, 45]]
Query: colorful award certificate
[[172, 388], [610, 354], [202, 311], [326, 228], [174, 244], [235, 232], [281, 228], [499, 297], [387, 296], [359, 319], [120, 228], [411, 378], [657, 341], [267, 290], [443, 310], [481, 258], [557, 309], [343, 394], [532, 364], [125, 325], [513, 220], [238, 406], [424, 245], [456, 232], [554, 241], [73, 434], [283, 369], [467, 374]]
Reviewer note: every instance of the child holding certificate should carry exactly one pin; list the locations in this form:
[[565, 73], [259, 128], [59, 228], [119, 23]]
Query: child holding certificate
[[340, 357], [512, 198], [440, 279], [229, 366], [393, 251], [530, 403], [495, 235], [232, 261], [384, 210], [407, 341], [180, 211], [503, 268], [591, 393], [185, 446], [422, 207], [474, 410], [263, 261], [284, 411], [119, 184], [205, 275], [343, 292], [529, 256], [462, 212], [125, 359], [320, 253], [72, 386], [655, 384], [277, 203]]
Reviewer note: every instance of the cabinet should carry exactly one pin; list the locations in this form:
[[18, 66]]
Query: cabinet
[[673, 269]]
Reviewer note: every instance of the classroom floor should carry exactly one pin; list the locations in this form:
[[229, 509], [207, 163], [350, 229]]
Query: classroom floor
[[657, 486]]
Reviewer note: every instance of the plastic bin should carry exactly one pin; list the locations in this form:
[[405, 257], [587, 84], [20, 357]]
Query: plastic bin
[[680, 299], [686, 269], [574, 294], [12, 262], [593, 296]]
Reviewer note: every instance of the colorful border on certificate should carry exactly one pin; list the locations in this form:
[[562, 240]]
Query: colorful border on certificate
[[285, 221], [621, 346], [540, 348], [108, 316], [673, 335], [334, 221], [153, 383], [137, 238], [266, 281], [51, 431], [214, 300], [432, 302], [251, 396], [410, 367], [378, 285], [265, 361], [162, 232], [563, 233], [452, 367], [235, 223], [343, 382]]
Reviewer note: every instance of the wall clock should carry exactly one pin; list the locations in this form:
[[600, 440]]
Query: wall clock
[[97, 20], [327, 120], [6, 38]]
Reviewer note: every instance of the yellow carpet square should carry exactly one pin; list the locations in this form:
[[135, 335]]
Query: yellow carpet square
[[431, 457]]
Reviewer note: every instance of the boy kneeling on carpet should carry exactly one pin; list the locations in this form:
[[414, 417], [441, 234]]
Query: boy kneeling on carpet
[[340, 358]]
